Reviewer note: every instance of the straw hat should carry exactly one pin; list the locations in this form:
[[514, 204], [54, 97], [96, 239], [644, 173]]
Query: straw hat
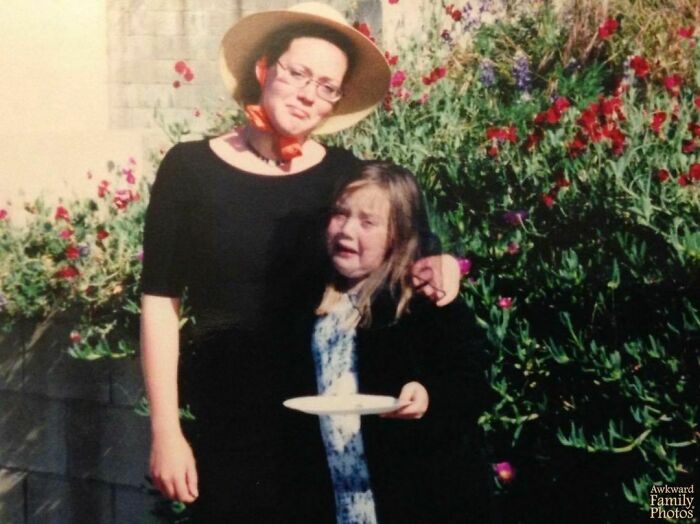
[[364, 87]]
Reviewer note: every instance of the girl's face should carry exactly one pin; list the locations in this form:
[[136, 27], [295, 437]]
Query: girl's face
[[358, 232], [297, 111]]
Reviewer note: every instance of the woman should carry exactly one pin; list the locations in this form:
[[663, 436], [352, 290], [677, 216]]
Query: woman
[[374, 335], [237, 222]]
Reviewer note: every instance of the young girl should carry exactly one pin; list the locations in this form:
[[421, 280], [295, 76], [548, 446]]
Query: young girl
[[422, 463]]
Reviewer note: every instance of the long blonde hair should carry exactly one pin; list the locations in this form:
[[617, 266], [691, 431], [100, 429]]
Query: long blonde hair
[[394, 274]]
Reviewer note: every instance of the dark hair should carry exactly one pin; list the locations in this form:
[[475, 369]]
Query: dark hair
[[278, 43]]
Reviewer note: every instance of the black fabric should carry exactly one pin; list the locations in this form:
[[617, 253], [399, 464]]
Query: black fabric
[[433, 469], [248, 250]]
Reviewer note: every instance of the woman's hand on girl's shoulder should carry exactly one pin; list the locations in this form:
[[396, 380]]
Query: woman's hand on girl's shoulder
[[417, 397], [172, 468], [437, 277]]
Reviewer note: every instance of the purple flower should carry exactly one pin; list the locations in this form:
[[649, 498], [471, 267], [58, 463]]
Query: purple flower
[[504, 472], [515, 218], [446, 36], [84, 249], [521, 73], [465, 266], [487, 75]]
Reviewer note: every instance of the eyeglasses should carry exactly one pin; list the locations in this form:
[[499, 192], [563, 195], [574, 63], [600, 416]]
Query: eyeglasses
[[299, 76]]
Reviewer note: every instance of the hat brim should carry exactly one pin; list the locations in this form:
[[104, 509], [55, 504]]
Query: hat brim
[[363, 88]]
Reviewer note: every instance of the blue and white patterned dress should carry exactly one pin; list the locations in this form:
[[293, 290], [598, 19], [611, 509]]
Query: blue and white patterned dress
[[333, 349]]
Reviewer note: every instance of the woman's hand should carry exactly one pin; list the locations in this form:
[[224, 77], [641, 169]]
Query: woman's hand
[[417, 395], [437, 277], [173, 467]]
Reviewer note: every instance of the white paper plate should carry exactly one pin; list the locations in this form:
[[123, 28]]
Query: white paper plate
[[345, 404]]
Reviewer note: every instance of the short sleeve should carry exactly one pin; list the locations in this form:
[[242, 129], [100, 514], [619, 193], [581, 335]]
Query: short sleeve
[[165, 234]]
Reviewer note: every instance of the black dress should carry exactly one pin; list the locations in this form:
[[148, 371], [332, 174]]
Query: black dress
[[248, 250], [434, 469]]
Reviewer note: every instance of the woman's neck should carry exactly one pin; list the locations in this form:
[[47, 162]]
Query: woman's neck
[[263, 143]]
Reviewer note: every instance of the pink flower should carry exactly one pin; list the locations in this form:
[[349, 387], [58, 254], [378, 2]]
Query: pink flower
[[181, 67], [504, 472], [673, 84], [102, 189], [607, 28], [75, 336], [3, 214], [505, 302], [132, 161], [129, 174], [465, 266], [392, 60], [393, 1], [62, 214], [686, 32], [398, 78], [513, 248], [65, 234], [548, 200]]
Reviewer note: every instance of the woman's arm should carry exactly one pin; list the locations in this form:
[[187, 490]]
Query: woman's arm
[[172, 464]]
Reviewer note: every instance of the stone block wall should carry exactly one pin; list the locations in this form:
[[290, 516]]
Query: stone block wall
[[72, 449]]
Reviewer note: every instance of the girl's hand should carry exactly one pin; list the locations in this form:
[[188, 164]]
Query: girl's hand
[[437, 277], [416, 393], [173, 469]]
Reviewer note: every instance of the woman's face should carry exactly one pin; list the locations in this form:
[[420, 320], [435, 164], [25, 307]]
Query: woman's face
[[358, 232], [297, 111]]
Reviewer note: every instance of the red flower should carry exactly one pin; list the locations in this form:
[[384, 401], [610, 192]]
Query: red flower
[[688, 146], [67, 272], [392, 60], [72, 253], [456, 15], [577, 145], [393, 1], [673, 84], [65, 234], [129, 174], [398, 78], [561, 104], [502, 134], [102, 189], [697, 102], [694, 172], [657, 121], [607, 28], [505, 302], [533, 139], [513, 248], [180, 67], [547, 199], [686, 32], [124, 197], [62, 214], [663, 175], [611, 106], [364, 28], [561, 182], [694, 129], [492, 151], [74, 336], [102, 234], [683, 181], [640, 66], [189, 76], [3, 214]]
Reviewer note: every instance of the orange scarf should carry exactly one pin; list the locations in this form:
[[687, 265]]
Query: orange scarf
[[287, 147]]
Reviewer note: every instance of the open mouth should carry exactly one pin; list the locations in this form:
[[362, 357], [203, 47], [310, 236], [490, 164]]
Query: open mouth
[[344, 250]]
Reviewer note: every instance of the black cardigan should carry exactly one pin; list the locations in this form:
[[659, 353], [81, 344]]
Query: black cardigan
[[431, 470]]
